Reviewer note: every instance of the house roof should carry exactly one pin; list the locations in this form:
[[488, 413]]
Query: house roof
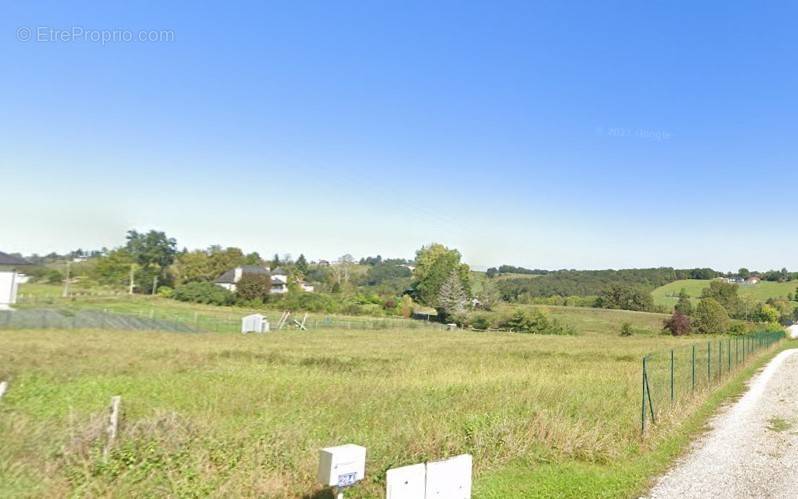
[[230, 276], [6, 259], [279, 271]]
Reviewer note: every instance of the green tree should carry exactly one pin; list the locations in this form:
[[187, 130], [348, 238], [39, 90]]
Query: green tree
[[711, 317], [684, 306], [619, 296], [254, 287], [302, 264], [434, 265], [151, 249], [744, 273], [114, 268], [724, 293], [767, 313]]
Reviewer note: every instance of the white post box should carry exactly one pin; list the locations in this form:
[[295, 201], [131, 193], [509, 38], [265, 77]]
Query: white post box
[[407, 482], [449, 479], [342, 466], [255, 323]]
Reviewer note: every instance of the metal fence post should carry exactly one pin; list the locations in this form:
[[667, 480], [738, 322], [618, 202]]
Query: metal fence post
[[643, 412], [709, 362], [729, 354], [693, 369], [672, 375]]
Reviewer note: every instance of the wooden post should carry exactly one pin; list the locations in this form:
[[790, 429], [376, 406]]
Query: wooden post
[[113, 424], [3, 388]]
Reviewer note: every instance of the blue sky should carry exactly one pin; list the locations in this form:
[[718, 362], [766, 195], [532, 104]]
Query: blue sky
[[542, 134]]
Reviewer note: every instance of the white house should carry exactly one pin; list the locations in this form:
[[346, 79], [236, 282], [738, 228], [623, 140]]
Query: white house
[[792, 331], [10, 279], [229, 279], [278, 276]]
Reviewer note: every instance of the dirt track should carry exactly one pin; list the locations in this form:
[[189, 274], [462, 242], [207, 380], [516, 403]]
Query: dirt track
[[752, 447]]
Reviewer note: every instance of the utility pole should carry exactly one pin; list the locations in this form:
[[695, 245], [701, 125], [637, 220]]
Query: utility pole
[[65, 294], [132, 277]]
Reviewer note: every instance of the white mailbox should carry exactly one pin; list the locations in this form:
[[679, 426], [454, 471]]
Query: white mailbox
[[255, 323], [449, 479], [407, 482], [342, 466]]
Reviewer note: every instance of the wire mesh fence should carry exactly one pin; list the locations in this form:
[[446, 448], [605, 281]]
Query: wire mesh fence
[[86, 318], [169, 320], [673, 377]]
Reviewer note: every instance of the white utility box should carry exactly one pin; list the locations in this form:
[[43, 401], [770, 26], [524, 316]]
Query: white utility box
[[449, 479], [407, 482], [342, 466], [255, 323]]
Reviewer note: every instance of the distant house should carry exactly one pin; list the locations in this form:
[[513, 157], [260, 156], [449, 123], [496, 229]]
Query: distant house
[[279, 281], [229, 279], [10, 279], [752, 280], [279, 278]]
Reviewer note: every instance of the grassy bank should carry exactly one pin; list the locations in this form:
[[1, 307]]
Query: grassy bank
[[630, 476]]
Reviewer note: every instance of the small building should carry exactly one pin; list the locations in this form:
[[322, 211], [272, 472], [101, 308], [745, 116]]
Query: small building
[[255, 323], [752, 280], [10, 279], [229, 279]]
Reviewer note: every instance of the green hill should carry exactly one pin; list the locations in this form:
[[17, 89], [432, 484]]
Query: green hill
[[667, 295]]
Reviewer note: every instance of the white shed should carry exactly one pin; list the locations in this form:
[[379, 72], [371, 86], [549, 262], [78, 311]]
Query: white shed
[[255, 323], [10, 279], [792, 331]]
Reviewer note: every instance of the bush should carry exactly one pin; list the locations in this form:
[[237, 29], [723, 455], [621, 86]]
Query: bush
[[203, 292], [626, 329], [536, 323], [254, 287], [738, 328], [678, 324], [481, 322], [711, 317], [165, 292]]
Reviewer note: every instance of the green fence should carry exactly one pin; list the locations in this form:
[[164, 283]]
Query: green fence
[[88, 319], [161, 320], [673, 376]]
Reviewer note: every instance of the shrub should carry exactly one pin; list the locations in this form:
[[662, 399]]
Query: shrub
[[481, 322], [254, 287], [165, 292], [203, 292], [678, 324], [711, 317], [737, 328], [626, 329], [536, 323]]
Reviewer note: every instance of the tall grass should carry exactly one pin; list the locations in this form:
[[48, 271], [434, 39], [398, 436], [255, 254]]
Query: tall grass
[[244, 415]]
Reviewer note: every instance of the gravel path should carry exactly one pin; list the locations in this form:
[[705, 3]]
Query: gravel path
[[752, 447]]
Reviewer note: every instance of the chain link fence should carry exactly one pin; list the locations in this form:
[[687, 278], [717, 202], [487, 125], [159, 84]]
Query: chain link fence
[[673, 377], [160, 320], [89, 319]]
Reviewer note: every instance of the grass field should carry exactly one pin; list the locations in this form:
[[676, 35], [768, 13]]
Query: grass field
[[243, 415], [667, 295], [226, 414]]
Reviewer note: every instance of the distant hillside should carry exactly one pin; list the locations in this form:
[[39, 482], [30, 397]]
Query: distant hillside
[[592, 282], [667, 294]]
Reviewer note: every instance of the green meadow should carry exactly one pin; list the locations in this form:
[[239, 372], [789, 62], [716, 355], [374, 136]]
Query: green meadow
[[667, 295], [226, 414]]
